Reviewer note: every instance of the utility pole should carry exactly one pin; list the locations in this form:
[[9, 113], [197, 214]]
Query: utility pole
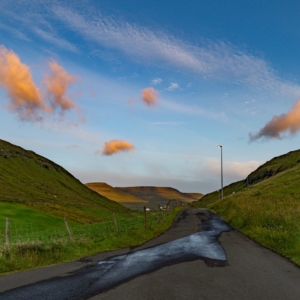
[[220, 146]]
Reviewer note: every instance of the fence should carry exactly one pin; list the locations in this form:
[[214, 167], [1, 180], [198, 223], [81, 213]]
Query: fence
[[14, 232]]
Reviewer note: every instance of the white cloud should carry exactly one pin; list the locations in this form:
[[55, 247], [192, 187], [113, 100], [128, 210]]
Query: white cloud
[[232, 169], [214, 60], [156, 81], [173, 86], [193, 110], [51, 38], [15, 33]]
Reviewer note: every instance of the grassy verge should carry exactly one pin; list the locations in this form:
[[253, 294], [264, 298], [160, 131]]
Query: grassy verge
[[268, 212], [33, 254]]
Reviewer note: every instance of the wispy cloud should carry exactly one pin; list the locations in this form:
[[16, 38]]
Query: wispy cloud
[[33, 21], [215, 60], [156, 81], [15, 32], [173, 86], [232, 169], [53, 39], [193, 110]]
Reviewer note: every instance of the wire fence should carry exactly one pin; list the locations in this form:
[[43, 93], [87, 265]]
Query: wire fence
[[12, 233]]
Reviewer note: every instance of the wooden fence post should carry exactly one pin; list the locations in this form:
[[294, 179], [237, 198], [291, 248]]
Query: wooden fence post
[[115, 223], [158, 210], [7, 234], [145, 217], [68, 228], [167, 208]]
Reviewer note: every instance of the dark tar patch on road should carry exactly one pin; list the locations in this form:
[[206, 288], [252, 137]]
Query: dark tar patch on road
[[113, 271]]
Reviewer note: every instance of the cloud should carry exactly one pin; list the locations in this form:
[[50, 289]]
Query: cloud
[[16, 79], [57, 84], [51, 38], [193, 110], [285, 122], [213, 60], [14, 32], [231, 169], [116, 146], [149, 96], [26, 99], [156, 81], [173, 86]]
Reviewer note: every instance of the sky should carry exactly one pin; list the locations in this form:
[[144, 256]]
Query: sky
[[142, 92]]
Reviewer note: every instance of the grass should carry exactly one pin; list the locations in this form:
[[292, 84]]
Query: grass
[[18, 213], [268, 212], [89, 240], [34, 181]]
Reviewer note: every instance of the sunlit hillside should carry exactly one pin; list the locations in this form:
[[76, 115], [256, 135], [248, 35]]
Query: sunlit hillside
[[31, 180]]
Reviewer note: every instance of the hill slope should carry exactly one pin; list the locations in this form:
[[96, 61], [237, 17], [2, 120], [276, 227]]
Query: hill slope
[[271, 168], [114, 194], [34, 181], [268, 212]]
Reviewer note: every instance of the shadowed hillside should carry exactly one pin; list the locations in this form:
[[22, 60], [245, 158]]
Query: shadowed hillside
[[34, 181]]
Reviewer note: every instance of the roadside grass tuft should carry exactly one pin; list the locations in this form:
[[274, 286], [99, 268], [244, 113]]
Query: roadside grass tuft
[[268, 212]]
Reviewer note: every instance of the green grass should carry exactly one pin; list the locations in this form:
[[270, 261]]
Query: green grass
[[268, 212], [88, 240], [18, 213], [32, 180]]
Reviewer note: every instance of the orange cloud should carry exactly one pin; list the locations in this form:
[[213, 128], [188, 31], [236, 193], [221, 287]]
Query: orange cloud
[[25, 97], [285, 122], [57, 84], [116, 146], [16, 79], [149, 96]]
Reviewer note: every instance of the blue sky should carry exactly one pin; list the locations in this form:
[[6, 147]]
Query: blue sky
[[221, 70]]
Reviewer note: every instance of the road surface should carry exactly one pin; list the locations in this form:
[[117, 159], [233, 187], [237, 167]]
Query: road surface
[[200, 257]]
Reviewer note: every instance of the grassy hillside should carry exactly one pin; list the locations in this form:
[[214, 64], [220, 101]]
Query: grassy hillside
[[196, 195], [265, 171], [113, 193], [269, 212], [35, 182]]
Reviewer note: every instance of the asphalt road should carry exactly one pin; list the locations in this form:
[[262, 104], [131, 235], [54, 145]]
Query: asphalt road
[[189, 261]]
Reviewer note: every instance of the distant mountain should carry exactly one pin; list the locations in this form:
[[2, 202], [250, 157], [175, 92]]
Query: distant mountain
[[158, 195], [32, 180], [139, 196]]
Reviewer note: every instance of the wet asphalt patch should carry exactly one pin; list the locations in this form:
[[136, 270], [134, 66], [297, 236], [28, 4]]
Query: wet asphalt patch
[[113, 271]]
